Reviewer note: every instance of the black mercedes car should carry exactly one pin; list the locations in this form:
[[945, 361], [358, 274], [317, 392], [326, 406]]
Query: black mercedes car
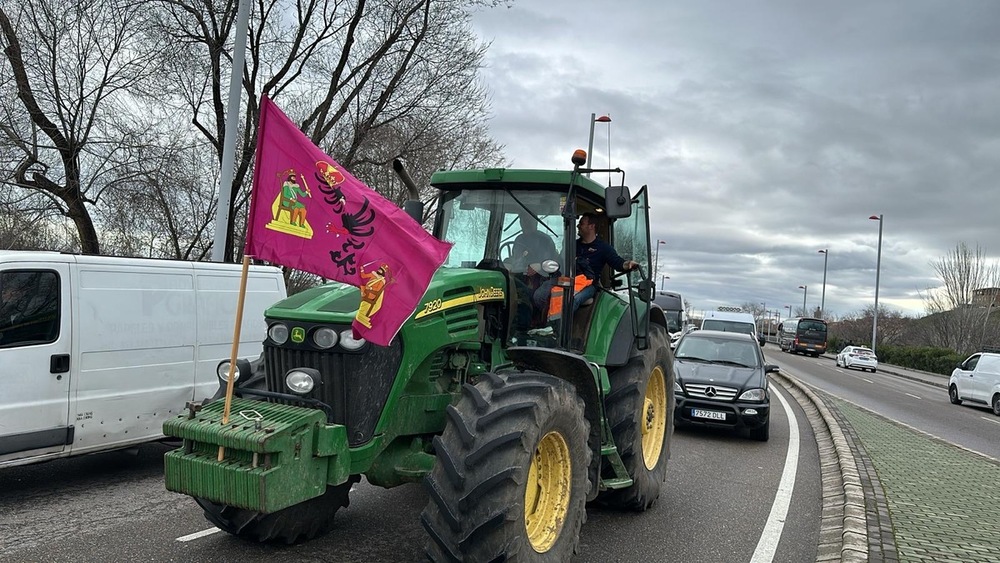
[[721, 381]]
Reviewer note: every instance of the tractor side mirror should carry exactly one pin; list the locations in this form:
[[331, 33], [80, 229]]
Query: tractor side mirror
[[617, 202], [646, 290]]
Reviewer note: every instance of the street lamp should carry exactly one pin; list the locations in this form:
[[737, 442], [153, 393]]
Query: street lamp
[[789, 307], [822, 301], [590, 146], [878, 269], [805, 291], [663, 281], [656, 261], [763, 314]]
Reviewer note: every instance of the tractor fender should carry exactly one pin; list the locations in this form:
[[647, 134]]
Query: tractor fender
[[622, 344], [575, 369]]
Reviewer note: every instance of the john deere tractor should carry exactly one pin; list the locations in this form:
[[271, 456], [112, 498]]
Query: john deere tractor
[[513, 411]]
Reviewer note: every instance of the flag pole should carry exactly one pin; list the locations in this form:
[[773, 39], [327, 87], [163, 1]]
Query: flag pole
[[236, 347]]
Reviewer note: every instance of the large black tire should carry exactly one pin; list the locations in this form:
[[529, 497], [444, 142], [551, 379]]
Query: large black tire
[[953, 395], [995, 403], [303, 521], [511, 481], [640, 411]]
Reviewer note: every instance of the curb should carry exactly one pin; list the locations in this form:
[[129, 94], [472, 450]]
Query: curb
[[844, 529]]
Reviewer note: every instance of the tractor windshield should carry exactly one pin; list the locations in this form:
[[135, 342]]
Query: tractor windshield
[[519, 228]]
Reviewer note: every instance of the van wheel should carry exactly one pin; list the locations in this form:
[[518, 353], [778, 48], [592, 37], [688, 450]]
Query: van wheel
[[511, 478], [303, 521], [640, 412], [953, 395], [996, 404]]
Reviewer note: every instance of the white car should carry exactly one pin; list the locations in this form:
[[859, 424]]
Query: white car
[[857, 357], [977, 380]]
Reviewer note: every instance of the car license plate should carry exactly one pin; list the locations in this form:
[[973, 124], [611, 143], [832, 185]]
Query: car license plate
[[711, 415]]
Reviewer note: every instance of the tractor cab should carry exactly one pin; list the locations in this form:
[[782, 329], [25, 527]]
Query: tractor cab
[[523, 224]]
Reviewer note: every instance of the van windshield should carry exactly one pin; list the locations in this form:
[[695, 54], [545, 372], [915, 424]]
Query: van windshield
[[727, 326]]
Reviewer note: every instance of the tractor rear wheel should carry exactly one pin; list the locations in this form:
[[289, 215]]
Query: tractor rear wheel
[[511, 481], [640, 411], [303, 521]]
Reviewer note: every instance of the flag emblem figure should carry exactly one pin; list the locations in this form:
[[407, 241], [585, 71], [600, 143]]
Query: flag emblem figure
[[361, 238]]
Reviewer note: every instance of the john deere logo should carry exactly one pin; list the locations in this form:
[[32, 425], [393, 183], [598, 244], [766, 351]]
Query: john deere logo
[[298, 335]]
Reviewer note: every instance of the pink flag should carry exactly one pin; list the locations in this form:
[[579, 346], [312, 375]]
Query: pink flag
[[308, 213]]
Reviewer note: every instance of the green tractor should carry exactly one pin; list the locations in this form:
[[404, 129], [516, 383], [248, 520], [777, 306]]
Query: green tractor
[[511, 419]]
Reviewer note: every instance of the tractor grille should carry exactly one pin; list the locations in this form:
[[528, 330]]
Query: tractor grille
[[713, 392], [356, 385]]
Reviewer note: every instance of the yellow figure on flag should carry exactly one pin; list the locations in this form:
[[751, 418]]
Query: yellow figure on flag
[[372, 293], [287, 204]]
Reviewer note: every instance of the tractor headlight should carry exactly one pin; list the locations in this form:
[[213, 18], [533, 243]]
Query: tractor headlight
[[324, 338], [348, 341], [222, 370], [278, 333], [300, 381]]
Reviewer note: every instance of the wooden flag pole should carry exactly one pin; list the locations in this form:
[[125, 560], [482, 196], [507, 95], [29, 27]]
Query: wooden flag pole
[[236, 347]]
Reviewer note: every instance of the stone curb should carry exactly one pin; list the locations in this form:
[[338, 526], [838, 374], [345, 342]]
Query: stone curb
[[848, 502]]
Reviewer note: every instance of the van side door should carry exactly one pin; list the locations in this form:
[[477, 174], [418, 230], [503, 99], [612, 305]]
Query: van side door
[[985, 377], [965, 378], [35, 347]]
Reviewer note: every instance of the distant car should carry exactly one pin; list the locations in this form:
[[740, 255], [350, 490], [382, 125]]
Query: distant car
[[721, 381], [977, 380], [858, 357]]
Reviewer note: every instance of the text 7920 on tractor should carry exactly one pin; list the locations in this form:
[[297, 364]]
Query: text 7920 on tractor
[[512, 421]]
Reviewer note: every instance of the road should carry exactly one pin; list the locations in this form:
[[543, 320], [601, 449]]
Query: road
[[921, 406], [716, 505]]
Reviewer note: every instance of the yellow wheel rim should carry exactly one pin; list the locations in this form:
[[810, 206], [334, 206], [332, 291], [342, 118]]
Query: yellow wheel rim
[[654, 418], [547, 492]]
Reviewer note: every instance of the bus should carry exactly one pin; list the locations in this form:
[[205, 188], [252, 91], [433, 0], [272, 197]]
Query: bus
[[804, 335], [673, 308]]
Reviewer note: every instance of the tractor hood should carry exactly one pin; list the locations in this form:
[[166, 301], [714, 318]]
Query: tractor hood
[[337, 302]]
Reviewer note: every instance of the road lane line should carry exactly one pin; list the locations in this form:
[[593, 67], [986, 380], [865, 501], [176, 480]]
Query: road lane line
[[200, 534], [993, 420], [768, 543], [912, 395]]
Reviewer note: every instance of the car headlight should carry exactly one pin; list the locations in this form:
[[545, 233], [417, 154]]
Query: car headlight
[[278, 333], [324, 338], [222, 370], [299, 382], [348, 341], [756, 395], [678, 388]]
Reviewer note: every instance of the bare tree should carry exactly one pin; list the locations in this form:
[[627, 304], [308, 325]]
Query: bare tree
[[955, 319], [369, 82], [71, 67]]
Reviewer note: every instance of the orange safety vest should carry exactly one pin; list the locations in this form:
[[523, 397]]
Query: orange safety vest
[[556, 298]]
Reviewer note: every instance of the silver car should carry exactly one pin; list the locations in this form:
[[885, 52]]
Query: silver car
[[857, 357]]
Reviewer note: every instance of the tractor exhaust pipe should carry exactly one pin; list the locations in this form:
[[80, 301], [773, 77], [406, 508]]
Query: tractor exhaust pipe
[[413, 206]]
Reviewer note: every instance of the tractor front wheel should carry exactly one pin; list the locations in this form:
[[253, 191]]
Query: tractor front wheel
[[510, 482], [640, 411], [303, 521]]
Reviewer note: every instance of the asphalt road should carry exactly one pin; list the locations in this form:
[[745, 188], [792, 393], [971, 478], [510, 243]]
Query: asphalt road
[[915, 404], [717, 499]]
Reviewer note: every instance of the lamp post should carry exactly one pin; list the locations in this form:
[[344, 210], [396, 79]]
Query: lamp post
[[805, 292], [822, 300], [663, 281], [656, 261], [763, 315], [789, 307], [590, 146], [878, 269]]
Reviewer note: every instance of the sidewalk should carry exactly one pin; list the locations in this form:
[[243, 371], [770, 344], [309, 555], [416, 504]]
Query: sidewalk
[[900, 495]]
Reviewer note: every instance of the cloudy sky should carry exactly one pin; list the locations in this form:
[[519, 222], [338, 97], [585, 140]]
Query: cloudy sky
[[769, 130]]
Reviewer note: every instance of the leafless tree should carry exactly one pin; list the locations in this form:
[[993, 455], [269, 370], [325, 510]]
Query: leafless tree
[[71, 67], [369, 82], [955, 319]]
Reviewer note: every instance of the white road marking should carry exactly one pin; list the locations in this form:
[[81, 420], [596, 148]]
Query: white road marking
[[914, 396], [865, 379], [993, 420], [200, 534], [768, 543]]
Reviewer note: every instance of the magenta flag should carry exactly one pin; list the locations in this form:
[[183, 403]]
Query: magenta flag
[[308, 213]]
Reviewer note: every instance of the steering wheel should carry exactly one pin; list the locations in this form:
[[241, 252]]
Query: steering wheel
[[506, 251]]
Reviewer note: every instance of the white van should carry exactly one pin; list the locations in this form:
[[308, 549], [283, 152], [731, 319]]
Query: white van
[[977, 380], [96, 352], [730, 321]]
